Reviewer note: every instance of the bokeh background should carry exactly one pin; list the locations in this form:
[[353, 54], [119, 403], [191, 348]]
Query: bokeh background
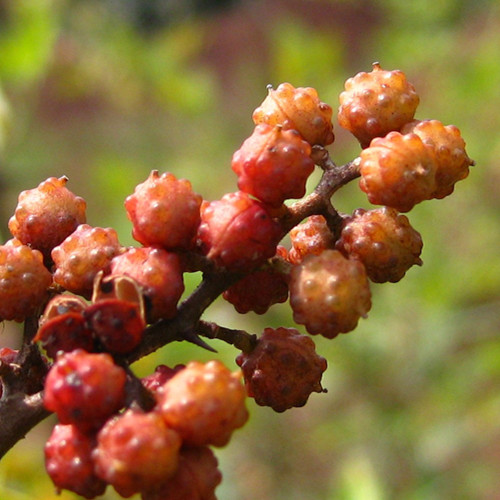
[[104, 91]]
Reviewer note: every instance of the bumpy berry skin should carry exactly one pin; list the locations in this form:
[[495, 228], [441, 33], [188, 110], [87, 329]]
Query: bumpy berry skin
[[165, 211], [300, 109], [82, 255], [384, 241], [204, 403], [68, 461], [273, 164], [160, 377], [258, 291], [451, 158], [158, 273], [398, 171], [311, 237], [196, 478], [329, 293], [84, 389], [135, 450], [237, 232], [46, 215], [376, 103], [23, 280], [283, 370]]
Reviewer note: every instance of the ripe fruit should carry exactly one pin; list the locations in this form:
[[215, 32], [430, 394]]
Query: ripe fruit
[[159, 377], [84, 389], [273, 164], [23, 280], [165, 211], [376, 103], [449, 149], [204, 403], [46, 215], [283, 370], [398, 171], [68, 461], [383, 240], [237, 232], [329, 293], [135, 450], [82, 255], [158, 273], [300, 109]]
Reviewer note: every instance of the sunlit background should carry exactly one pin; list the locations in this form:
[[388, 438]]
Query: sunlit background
[[105, 91]]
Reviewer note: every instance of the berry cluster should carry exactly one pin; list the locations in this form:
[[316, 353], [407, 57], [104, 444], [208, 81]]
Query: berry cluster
[[93, 306]]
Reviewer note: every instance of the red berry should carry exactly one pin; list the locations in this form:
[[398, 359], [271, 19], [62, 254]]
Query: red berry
[[273, 164], [329, 293], [159, 377], [204, 403], [283, 370], [376, 103], [237, 232], [300, 109], [23, 281], [158, 273], [46, 215], [311, 237], [82, 255], [135, 450], [383, 240], [68, 461], [165, 211], [84, 389]]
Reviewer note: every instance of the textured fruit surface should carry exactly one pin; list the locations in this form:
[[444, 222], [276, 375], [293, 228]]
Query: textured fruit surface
[[158, 273], [329, 293], [204, 402], [46, 215], [376, 103], [23, 280], [398, 171], [82, 255], [273, 164], [136, 450], [165, 211], [68, 461], [384, 241], [283, 370], [311, 237], [84, 389], [237, 232], [300, 109], [159, 377], [451, 158], [196, 478]]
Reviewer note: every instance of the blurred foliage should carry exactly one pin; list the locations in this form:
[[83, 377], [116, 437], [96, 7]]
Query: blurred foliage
[[105, 91]]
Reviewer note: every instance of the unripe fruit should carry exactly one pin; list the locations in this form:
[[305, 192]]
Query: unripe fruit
[[329, 293], [68, 461], [376, 103], [23, 280], [273, 164], [135, 450], [237, 232], [299, 109], [46, 215], [158, 273], [311, 237], [383, 240], [84, 389], [204, 403], [283, 370], [82, 255], [452, 160], [165, 211], [196, 478], [398, 171]]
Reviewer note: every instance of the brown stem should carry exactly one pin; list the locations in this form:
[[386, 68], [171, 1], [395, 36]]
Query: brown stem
[[242, 340]]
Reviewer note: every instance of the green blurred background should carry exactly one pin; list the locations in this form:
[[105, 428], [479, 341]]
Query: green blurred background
[[104, 91]]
